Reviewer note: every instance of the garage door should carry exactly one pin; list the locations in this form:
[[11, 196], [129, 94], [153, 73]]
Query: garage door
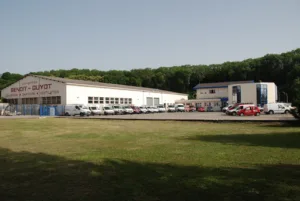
[[156, 101], [149, 101]]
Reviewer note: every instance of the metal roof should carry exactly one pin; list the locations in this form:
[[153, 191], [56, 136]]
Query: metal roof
[[102, 84], [219, 84]]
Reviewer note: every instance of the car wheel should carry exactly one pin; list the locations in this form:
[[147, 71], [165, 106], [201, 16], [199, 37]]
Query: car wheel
[[234, 113], [81, 114], [271, 112], [67, 114], [286, 112], [257, 114], [241, 114]]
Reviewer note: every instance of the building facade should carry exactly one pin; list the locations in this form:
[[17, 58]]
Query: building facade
[[34, 89], [257, 93], [217, 95]]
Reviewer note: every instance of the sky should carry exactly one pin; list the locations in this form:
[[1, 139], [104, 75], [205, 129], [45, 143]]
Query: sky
[[38, 35]]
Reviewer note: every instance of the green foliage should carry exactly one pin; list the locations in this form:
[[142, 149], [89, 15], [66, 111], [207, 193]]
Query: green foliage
[[283, 69]]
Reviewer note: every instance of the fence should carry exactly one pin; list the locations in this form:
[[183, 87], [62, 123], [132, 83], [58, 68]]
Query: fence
[[41, 110]]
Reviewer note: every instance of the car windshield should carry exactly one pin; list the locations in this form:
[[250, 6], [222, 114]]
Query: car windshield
[[84, 107], [94, 108], [160, 106], [180, 106], [116, 107], [171, 106], [107, 108], [127, 107]]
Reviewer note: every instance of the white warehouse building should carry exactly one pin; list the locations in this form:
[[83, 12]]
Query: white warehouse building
[[35, 89]]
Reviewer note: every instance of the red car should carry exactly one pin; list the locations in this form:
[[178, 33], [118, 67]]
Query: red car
[[249, 111], [201, 109], [136, 110]]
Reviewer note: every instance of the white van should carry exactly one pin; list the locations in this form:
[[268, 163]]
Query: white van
[[161, 108], [179, 108], [77, 109], [95, 110], [276, 108], [106, 110]]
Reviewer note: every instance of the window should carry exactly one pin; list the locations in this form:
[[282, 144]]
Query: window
[[121, 101], [236, 94], [58, 100], [96, 100], [90, 99], [112, 100], [117, 100], [101, 100], [130, 100], [125, 101], [212, 91], [107, 100], [261, 94]]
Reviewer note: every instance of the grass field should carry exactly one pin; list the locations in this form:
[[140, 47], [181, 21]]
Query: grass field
[[69, 159]]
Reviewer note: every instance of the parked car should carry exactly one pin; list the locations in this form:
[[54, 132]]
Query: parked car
[[179, 108], [118, 109], [190, 108], [171, 108], [155, 109], [234, 111], [144, 109], [136, 110], [150, 109], [128, 110], [209, 109], [95, 110], [276, 108], [224, 109], [77, 109], [107, 110], [249, 111], [161, 108], [201, 109]]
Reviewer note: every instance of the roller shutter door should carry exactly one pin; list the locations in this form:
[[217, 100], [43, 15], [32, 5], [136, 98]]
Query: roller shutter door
[[149, 101], [156, 101]]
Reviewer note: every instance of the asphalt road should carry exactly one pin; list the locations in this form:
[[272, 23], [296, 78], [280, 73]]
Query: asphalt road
[[181, 116], [198, 116]]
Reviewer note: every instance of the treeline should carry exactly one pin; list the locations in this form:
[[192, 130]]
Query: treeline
[[283, 69]]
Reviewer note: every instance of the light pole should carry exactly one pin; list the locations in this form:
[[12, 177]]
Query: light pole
[[287, 97]]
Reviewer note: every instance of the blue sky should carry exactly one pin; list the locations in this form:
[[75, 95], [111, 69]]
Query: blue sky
[[37, 35]]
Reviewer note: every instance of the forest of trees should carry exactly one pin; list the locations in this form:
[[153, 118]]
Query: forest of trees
[[283, 69]]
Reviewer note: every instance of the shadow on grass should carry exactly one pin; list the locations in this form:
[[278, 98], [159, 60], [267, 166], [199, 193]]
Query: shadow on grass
[[282, 140], [41, 177], [283, 124]]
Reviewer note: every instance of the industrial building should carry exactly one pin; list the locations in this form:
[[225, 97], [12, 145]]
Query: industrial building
[[218, 95], [34, 89]]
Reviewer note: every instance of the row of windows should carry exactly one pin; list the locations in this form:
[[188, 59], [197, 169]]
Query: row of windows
[[211, 91], [51, 100], [54, 100], [109, 100], [208, 104]]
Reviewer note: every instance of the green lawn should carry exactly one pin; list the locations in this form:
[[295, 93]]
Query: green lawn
[[69, 159]]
